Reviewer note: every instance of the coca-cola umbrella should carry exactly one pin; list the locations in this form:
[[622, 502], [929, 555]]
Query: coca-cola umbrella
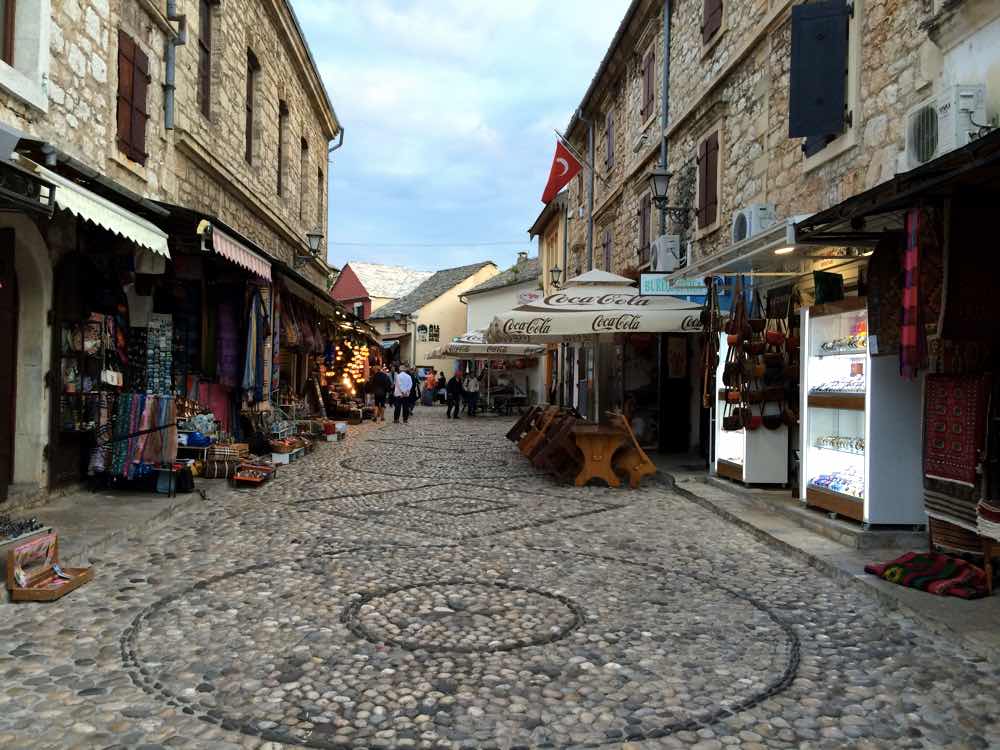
[[473, 345], [594, 304]]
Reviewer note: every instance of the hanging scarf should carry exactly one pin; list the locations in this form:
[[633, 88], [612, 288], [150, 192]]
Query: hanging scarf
[[250, 359], [227, 345], [913, 343]]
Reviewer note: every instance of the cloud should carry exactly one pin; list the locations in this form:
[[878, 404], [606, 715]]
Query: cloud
[[448, 107]]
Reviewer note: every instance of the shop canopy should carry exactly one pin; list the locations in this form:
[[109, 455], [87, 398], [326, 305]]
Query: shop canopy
[[473, 345], [235, 251], [594, 303], [89, 206]]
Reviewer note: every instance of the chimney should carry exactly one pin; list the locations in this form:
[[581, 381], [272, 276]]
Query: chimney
[[522, 257]]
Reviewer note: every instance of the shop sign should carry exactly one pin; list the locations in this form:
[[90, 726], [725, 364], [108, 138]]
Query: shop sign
[[528, 297], [658, 285]]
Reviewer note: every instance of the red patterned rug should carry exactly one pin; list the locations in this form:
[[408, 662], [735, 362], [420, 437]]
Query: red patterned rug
[[955, 412], [933, 572]]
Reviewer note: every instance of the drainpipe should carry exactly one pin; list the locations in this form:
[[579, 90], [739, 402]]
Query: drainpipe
[[664, 100], [338, 144], [170, 56], [564, 348], [590, 191]]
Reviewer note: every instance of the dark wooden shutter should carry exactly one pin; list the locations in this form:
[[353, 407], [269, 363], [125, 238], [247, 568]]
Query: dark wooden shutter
[[248, 134], [607, 249], [712, 178], [609, 135], [140, 83], [818, 75], [702, 184], [126, 56], [205, 58], [711, 20], [648, 84], [644, 216]]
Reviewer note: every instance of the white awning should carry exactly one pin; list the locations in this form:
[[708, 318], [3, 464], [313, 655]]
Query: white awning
[[87, 205], [473, 345], [578, 313], [235, 251]]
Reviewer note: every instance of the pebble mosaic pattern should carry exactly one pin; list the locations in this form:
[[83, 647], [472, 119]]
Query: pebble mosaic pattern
[[336, 607]]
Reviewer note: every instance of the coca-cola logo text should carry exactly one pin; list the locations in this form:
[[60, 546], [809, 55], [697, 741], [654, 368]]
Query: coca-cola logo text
[[621, 322], [691, 323], [613, 299], [532, 327]]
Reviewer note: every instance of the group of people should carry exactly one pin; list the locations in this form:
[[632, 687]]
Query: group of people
[[402, 387]]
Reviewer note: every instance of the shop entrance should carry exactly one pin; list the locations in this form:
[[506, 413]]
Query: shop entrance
[[8, 359]]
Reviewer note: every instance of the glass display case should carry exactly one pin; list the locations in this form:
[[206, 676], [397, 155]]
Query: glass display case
[[751, 456], [850, 399]]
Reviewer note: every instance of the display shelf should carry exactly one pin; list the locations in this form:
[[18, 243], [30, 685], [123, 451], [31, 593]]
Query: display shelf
[[884, 419], [855, 401], [8, 541], [729, 470]]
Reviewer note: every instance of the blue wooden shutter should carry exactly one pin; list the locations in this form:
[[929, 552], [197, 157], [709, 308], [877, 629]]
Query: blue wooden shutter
[[818, 76]]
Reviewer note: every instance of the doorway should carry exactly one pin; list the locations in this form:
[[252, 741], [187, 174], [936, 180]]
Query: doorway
[[8, 358]]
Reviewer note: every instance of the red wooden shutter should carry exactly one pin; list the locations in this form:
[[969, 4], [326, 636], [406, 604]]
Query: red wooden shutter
[[702, 184], [711, 19], [126, 54], [140, 82], [712, 173]]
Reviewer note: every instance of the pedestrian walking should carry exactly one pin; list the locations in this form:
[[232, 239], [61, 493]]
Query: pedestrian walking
[[441, 388], [455, 391], [414, 391], [380, 386], [471, 388], [401, 396]]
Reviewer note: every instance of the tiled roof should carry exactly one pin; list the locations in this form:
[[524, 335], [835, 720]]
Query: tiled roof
[[388, 281], [529, 270], [430, 290]]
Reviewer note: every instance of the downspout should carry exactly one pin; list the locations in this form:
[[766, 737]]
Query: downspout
[[338, 144], [664, 103], [564, 348], [170, 56]]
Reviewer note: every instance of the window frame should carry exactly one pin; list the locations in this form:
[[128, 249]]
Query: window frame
[[303, 171], [205, 22], [320, 198], [645, 227], [606, 248], [609, 139], [282, 137], [708, 42], [433, 333], [647, 108], [422, 333], [359, 310]]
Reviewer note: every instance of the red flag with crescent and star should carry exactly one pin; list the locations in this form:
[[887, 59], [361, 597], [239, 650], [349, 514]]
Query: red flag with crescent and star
[[564, 168]]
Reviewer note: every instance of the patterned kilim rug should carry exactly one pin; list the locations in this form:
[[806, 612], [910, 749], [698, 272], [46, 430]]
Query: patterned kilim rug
[[955, 411], [933, 572]]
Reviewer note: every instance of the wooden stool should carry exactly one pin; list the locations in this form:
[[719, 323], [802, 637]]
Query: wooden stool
[[631, 458]]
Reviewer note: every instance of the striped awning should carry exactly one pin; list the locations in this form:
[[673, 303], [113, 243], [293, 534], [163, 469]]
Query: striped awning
[[238, 253]]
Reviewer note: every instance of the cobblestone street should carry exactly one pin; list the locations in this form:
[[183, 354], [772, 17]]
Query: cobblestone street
[[421, 586]]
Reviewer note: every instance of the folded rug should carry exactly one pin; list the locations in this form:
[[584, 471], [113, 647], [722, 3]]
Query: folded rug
[[933, 572], [988, 521], [955, 411]]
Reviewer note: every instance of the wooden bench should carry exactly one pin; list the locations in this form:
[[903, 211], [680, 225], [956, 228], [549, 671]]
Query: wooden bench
[[536, 435], [560, 456], [631, 459], [523, 424]]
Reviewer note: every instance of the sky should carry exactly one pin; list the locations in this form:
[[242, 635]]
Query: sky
[[448, 108]]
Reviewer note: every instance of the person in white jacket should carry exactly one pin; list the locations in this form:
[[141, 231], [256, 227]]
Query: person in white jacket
[[471, 388], [404, 385]]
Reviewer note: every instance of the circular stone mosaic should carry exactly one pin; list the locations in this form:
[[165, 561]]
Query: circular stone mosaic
[[431, 466], [463, 644], [463, 616]]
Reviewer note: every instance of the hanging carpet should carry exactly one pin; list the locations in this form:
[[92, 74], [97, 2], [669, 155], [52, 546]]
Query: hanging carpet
[[955, 411]]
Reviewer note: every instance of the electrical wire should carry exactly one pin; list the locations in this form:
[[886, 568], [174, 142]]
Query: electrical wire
[[427, 244]]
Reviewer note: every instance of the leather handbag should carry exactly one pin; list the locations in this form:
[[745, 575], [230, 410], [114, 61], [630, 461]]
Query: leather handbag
[[757, 319], [731, 375], [755, 347], [774, 376], [774, 338], [773, 360], [753, 396], [773, 421], [789, 416], [774, 394]]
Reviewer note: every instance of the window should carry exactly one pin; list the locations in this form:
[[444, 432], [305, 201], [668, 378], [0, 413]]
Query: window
[[433, 333], [133, 80], [648, 85], [708, 181], [609, 140], [359, 310], [319, 198], [388, 326], [421, 332], [7, 12], [282, 134], [818, 77], [253, 70], [205, 57], [303, 170], [606, 248], [711, 19], [579, 186], [645, 215]]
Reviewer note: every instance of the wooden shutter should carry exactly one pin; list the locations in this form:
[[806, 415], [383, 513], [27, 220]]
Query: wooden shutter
[[126, 56], [248, 130], [644, 215], [818, 76], [702, 184], [205, 58], [647, 85], [609, 136], [607, 249], [711, 20], [711, 178], [140, 83]]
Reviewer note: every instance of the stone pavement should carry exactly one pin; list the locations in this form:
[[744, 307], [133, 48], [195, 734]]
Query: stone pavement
[[422, 586]]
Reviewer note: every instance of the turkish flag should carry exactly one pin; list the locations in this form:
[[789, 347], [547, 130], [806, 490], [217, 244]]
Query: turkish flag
[[564, 168]]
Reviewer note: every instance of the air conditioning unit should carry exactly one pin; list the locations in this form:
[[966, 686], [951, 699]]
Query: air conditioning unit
[[946, 121], [751, 220], [664, 256]]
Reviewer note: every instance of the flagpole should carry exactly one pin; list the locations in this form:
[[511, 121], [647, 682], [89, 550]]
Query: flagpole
[[576, 155]]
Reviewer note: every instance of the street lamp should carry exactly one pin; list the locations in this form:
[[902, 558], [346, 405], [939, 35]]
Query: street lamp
[[556, 273], [314, 239], [659, 186]]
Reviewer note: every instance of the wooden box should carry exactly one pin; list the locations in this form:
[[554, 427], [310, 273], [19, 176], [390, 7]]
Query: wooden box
[[31, 575]]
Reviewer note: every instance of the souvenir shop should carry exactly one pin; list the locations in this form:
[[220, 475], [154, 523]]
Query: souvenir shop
[[930, 281]]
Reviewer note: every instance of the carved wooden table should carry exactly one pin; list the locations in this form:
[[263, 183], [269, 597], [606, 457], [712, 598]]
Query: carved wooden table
[[598, 444]]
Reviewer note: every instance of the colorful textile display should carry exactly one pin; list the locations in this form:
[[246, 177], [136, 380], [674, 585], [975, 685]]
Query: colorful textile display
[[228, 346], [955, 411], [145, 433], [912, 339], [951, 502], [275, 345], [933, 572], [988, 519], [885, 296], [159, 351]]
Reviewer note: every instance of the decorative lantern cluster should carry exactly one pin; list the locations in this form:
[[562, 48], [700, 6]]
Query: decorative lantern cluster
[[348, 367]]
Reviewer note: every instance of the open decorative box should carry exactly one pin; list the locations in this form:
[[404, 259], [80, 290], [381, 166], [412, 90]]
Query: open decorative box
[[35, 575]]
